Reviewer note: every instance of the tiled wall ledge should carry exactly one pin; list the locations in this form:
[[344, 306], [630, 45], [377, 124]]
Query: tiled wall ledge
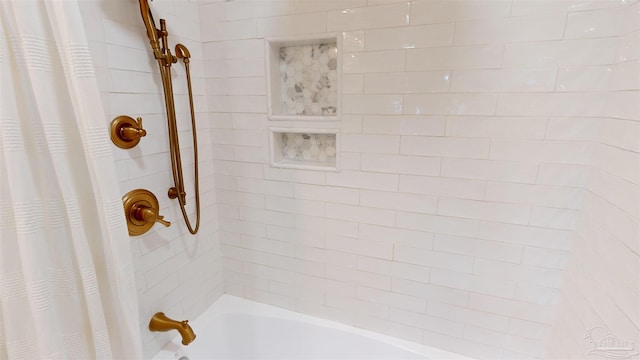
[[310, 149], [304, 77]]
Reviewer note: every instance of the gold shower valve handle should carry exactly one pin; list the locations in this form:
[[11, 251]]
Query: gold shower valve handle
[[150, 215], [142, 211], [126, 132]]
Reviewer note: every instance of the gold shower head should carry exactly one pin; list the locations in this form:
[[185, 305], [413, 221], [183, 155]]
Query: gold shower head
[[152, 31]]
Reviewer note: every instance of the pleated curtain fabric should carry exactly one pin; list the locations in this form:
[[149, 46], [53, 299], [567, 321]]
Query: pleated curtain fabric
[[67, 286]]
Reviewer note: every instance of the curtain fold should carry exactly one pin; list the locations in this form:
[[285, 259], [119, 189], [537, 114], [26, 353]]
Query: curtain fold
[[67, 286]]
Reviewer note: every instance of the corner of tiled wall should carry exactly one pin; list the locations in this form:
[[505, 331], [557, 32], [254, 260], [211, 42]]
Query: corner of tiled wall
[[599, 296]]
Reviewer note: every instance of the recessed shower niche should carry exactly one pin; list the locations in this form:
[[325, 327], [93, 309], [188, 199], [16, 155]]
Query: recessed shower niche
[[304, 78], [304, 149]]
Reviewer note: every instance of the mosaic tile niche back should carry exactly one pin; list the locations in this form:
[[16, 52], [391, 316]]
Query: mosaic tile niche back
[[309, 79], [309, 147]]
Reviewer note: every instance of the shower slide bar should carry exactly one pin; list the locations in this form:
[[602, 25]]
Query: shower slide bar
[[164, 57]]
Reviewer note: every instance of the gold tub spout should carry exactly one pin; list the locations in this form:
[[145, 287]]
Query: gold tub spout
[[160, 322]]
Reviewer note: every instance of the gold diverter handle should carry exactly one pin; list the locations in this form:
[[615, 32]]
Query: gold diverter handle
[[142, 211], [126, 132]]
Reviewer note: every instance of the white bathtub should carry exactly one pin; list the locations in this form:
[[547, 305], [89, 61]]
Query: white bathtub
[[235, 328]]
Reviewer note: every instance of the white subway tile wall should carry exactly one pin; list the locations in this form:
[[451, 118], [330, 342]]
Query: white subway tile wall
[[488, 200], [477, 135]]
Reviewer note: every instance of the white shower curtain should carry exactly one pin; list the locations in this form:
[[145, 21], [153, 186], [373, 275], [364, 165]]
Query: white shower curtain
[[66, 279]]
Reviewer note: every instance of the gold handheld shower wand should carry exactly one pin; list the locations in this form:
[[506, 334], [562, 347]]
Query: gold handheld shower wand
[[164, 57]]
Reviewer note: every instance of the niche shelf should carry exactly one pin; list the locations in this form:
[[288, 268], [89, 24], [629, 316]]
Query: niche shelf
[[310, 149], [304, 79]]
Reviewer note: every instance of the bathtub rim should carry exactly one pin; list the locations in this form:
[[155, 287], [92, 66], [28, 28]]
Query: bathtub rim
[[230, 304]]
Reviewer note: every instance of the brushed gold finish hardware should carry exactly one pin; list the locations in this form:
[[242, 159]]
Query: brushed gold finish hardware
[[149, 215], [126, 132], [160, 322], [182, 52], [173, 193], [142, 211], [158, 38]]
